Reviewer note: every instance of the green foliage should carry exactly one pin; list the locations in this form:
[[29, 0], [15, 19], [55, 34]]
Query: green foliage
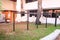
[[2, 35]]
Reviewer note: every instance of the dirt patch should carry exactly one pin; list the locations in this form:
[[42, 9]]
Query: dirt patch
[[8, 27]]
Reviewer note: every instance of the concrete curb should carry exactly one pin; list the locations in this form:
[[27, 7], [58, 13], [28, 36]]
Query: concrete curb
[[52, 36]]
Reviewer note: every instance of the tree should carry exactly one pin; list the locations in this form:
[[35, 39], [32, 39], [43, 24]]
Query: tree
[[39, 12]]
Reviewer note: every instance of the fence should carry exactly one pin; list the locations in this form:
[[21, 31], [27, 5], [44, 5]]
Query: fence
[[29, 18]]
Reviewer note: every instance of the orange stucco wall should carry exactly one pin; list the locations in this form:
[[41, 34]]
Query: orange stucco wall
[[8, 5], [9, 15]]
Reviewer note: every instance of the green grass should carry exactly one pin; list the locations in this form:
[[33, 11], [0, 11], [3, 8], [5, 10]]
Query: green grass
[[33, 33]]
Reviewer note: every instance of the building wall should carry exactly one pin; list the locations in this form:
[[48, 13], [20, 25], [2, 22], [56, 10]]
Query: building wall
[[50, 3], [8, 5], [34, 6], [46, 4]]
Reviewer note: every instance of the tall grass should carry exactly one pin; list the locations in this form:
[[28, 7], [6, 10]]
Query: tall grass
[[32, 34]]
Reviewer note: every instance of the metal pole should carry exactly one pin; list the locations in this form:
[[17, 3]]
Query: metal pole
[[37, 25], [5, 18], [13, 22], [46, 22], [37, 20], [55, 21]]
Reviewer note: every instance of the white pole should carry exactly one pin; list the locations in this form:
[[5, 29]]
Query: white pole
[[18, 8], [18, 5]]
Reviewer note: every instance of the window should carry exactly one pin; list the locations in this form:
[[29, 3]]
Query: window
[[30, 15], [46, 13], [22, 15], [33, 13], [27, 1]]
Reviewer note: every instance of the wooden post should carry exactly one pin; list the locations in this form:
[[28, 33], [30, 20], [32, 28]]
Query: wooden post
[[27, 20], [13, 22]]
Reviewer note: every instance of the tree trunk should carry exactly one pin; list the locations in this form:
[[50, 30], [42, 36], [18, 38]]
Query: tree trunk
[[39, 11]]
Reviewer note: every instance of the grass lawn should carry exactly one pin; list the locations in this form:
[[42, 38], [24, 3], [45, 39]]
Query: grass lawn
[[33, 33]]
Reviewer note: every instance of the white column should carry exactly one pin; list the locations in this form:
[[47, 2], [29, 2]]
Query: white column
[[18, 8], [18, 5]]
